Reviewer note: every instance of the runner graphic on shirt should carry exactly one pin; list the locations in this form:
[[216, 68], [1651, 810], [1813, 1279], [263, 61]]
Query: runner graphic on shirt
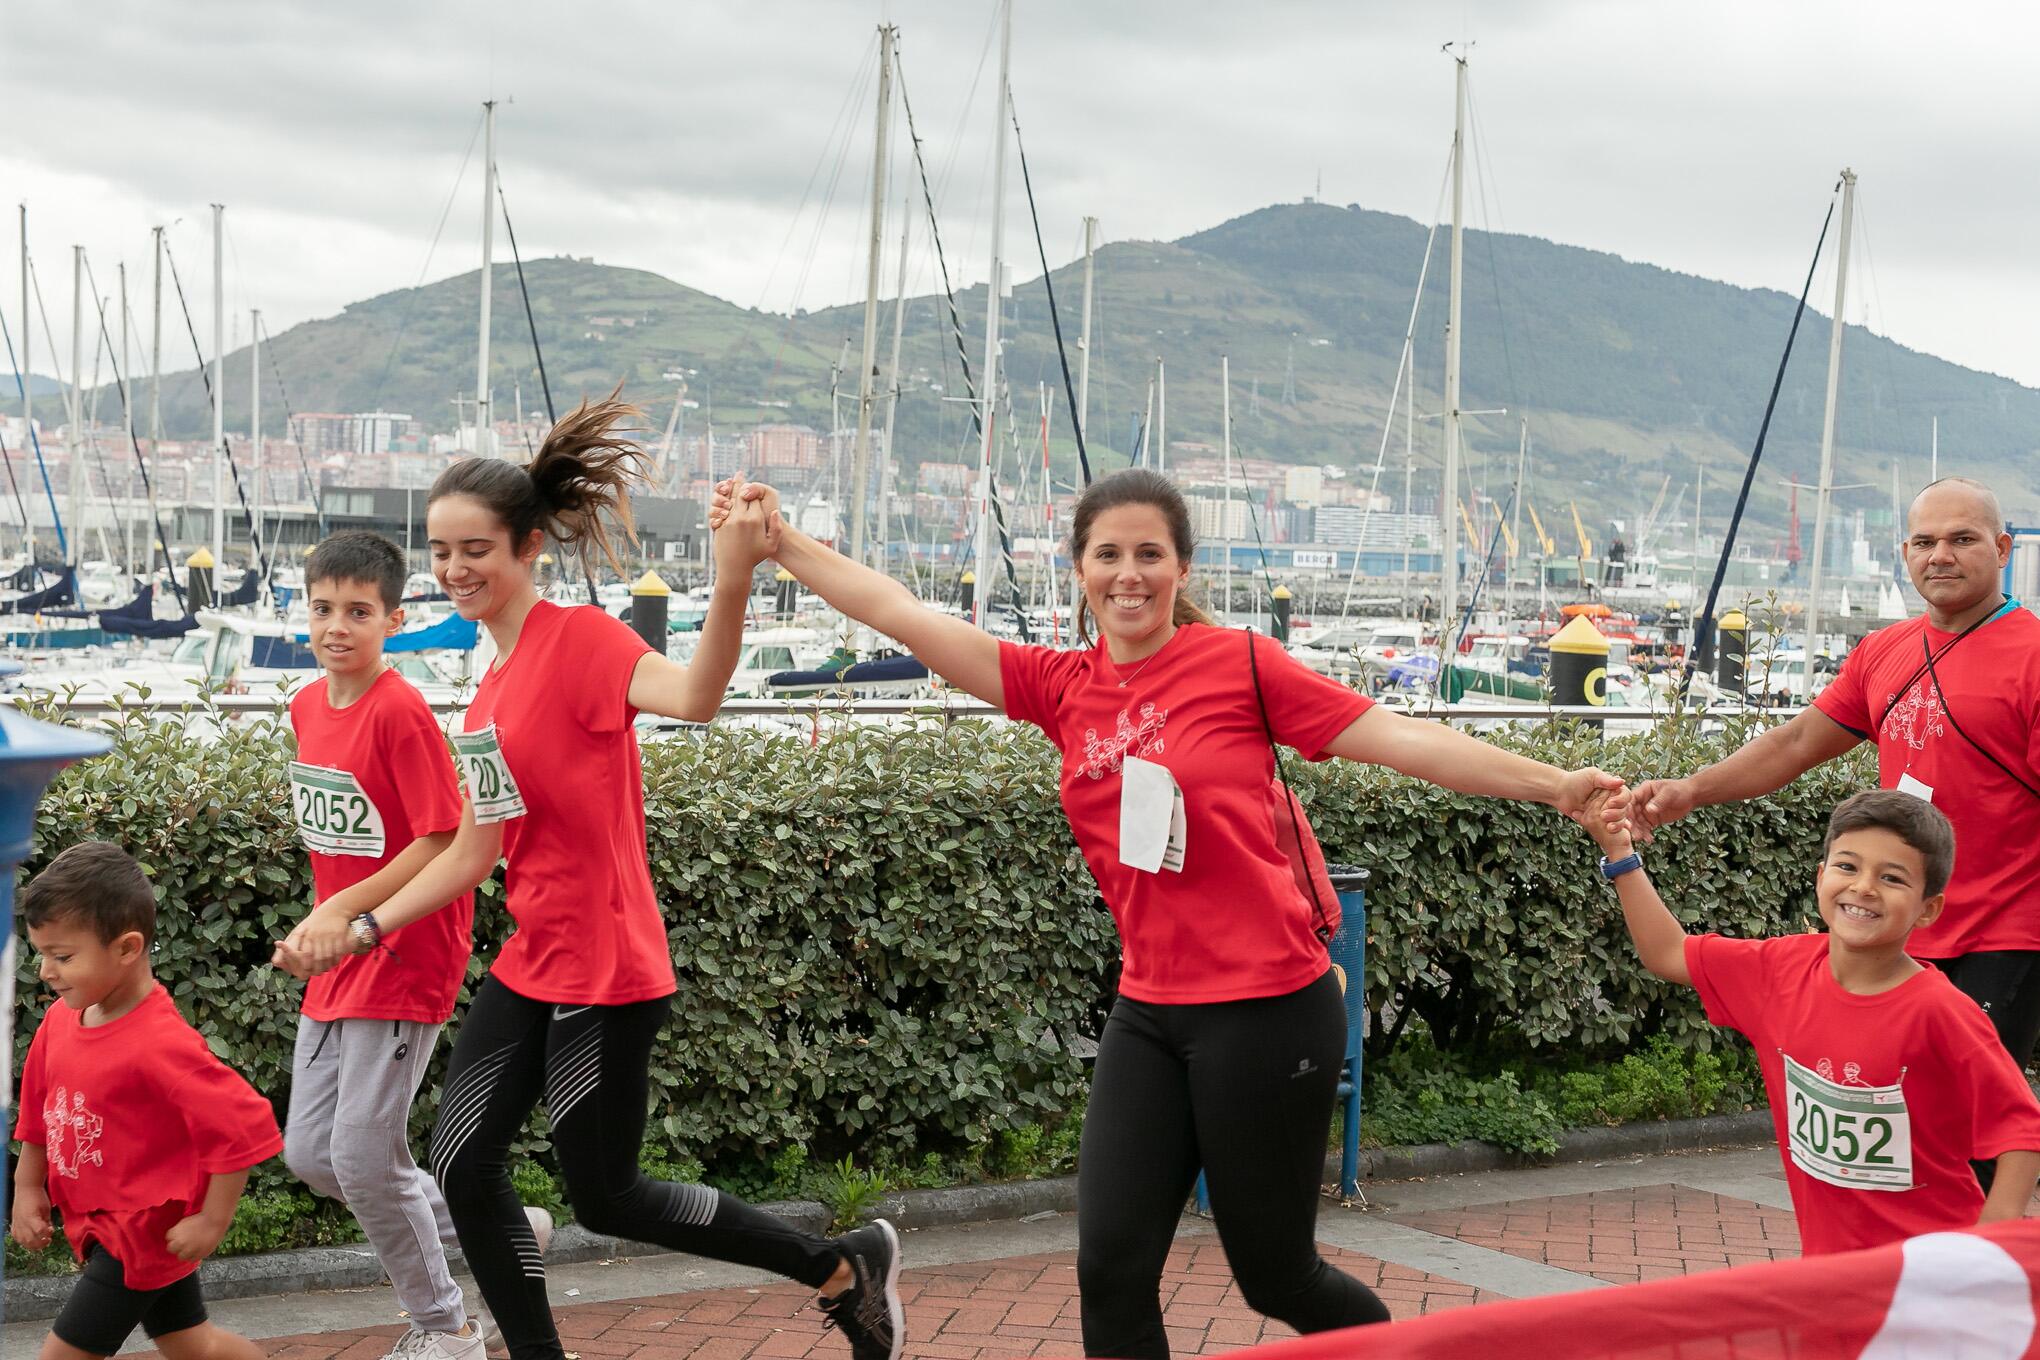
[[1917, 716], [1104, 756], [73, 1130]]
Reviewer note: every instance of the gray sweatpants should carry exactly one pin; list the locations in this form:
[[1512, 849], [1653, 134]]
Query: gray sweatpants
[[352, 1083]]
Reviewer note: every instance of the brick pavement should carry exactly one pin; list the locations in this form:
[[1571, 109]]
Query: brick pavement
[[987, 1310], [1649, 1232], [1616, 1223]]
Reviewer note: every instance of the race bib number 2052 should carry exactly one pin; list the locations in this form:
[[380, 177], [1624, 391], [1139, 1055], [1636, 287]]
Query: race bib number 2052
[[1857, 1137], [490, 787], [333, 815]]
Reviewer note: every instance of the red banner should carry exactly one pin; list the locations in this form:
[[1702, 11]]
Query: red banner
[[1944, 1296]]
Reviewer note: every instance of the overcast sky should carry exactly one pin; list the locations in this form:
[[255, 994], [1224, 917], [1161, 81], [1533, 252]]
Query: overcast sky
[[700, 141]]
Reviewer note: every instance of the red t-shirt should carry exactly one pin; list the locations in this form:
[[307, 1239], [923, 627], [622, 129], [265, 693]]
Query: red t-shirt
[[1953, 1094], [579, 883], [1233, 923], [1990, 686], [372, 778], [135, 1118]]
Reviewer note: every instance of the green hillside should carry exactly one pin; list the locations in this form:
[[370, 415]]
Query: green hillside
[[1626, 372]]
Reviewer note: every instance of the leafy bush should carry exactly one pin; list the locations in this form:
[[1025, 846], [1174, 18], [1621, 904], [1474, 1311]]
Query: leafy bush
[[1447, 1107], [889, 947], [1487, 922], [1421, 1095]]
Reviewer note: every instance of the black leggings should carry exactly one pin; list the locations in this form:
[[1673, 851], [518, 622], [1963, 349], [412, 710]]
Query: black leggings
[[2006, 983], [590, 1064], [103, 1312], [1244, 1090]]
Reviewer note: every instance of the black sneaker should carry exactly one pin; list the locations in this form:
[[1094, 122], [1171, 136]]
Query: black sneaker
[[869, 1311]]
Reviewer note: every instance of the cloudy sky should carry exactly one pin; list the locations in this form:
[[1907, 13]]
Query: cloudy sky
[[702, 141]]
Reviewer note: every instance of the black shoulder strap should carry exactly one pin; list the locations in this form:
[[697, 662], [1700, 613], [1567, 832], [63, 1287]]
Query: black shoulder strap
[[1323, 923]]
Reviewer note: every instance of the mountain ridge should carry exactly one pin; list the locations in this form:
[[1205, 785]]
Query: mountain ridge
[[1626, 371]]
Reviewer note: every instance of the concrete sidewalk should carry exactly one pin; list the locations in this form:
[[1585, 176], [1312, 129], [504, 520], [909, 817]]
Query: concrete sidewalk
[[989, 1291]]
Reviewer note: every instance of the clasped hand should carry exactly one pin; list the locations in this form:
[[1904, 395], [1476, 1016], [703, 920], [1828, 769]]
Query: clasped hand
[[317, 945], [746, 522]]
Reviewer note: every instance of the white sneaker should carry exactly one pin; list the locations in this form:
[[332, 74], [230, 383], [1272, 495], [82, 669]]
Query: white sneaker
[[417, 1345], [541, 1229]]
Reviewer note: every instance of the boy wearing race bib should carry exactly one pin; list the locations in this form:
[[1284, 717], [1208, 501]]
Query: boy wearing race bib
[[571, 1011], [374, 794], [1885, 1082], [130, 1128]]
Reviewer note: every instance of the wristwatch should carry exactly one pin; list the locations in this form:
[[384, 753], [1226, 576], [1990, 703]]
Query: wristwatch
[[365, 934], [1614, 868]]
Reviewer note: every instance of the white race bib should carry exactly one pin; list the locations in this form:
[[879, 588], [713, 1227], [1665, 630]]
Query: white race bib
[[334, 816], [1857, 1137], [1152, 830], [490, 787]]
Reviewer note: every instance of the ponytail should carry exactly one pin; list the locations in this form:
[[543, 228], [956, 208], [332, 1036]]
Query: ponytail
[[579, 480]]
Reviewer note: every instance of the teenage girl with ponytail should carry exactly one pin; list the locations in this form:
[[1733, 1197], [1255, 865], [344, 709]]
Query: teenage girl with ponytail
[[576, 996], [1223, 1048]]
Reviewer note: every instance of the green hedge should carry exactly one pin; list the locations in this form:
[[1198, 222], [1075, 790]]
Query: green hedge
[[888, 942]]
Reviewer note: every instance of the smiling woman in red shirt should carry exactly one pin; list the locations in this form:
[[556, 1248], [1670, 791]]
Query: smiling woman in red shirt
[[577, 994], [1223, 1048]]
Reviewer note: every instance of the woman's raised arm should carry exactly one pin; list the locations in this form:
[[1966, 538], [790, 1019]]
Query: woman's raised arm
[[962, 654], [1443, 755]]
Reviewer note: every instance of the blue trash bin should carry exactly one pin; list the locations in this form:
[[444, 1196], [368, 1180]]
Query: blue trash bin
[[1348, 950], [31, 754]]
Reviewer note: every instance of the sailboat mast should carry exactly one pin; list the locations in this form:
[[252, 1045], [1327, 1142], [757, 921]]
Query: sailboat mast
[[1699, 486], [1225, 514], [27, 377], [1448, 498], [1449, 490], [867, 375], [985, 561], [1161, 416], [72, 449], [1827, 428], [156, 393], [219, 388], [156, 351], [1083, 412], [1516, 530], [485, 427], [1408, 477], [127, 412], [255, 440], [892, 406]]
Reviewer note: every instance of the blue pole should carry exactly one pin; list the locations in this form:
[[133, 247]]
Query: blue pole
[[1349, 951], [31, 754]]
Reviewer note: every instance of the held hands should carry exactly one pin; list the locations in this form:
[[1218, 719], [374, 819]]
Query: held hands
[[317, 945], [30, 1224], [747, 525], [1659, 802], [1606, 819], [197, 1237], [1577, 787]]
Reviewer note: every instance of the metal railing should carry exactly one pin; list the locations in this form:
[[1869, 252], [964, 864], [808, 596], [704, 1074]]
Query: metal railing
[[828, 706]]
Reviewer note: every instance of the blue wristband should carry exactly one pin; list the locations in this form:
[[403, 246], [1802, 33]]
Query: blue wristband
[[1614, 868]]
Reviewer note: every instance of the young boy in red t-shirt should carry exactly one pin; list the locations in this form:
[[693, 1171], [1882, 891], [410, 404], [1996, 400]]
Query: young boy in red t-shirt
[[130, 1128], [375, 797], [1884, 1080]]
